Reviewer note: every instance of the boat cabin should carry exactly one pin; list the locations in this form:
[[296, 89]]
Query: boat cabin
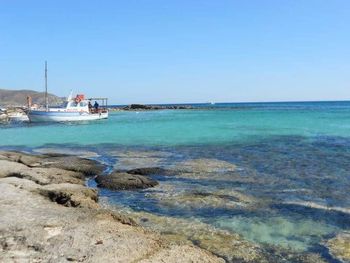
[[91, 105]]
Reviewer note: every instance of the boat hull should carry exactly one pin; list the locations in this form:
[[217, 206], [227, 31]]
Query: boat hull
[[43, 116]]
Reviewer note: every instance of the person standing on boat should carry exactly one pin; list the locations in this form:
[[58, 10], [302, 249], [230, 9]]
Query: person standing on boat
[[90, 106], [96, 106]]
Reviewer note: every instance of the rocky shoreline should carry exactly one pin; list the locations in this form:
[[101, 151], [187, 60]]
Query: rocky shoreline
[[49, 215], [157, 107]]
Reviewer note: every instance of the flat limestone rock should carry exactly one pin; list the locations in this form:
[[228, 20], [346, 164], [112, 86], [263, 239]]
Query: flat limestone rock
[[124, 181], [34, 229], [70, 195], [40, 175], [21, 157], [55, 160], [62, 222], [8, 167], [179, 254], [20, 183], [86, 166]]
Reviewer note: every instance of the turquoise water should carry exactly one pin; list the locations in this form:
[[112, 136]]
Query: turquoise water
[[294, 158], [189, 127]]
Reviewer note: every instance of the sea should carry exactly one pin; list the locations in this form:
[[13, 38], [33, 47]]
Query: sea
[[272, 174]]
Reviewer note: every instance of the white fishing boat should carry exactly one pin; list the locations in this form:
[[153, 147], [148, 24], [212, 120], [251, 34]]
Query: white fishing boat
[[74, 109]]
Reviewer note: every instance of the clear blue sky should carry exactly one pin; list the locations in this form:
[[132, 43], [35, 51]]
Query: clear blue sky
[[145, 51]]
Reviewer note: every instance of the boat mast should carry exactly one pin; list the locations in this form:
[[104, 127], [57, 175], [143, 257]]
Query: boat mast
[[46, 97]]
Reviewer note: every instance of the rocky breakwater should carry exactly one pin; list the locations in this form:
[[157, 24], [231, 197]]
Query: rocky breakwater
[[49, 215], [143, 107]]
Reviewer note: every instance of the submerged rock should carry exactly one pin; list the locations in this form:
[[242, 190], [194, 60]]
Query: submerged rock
[[219, 170], [339, 246], [128, 159], [220, 199], [205, 165], [68, 151], [124, 181], [185, 232], [230, 246], [203, 168], [149, 171]]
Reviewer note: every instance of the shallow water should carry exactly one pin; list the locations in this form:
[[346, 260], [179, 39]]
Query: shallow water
[[289, 188], [234, 124]]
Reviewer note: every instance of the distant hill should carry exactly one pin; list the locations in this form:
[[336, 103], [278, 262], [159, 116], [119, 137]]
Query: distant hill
[[19, 97]]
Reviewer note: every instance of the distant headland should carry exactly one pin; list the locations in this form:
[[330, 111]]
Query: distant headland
[[18, 98]]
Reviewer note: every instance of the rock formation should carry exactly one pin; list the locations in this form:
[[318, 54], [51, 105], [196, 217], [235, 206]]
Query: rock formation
[[48, 215], [124, 181]]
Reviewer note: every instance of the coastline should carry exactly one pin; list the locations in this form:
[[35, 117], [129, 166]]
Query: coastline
[[48, 214], [233, 183]]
